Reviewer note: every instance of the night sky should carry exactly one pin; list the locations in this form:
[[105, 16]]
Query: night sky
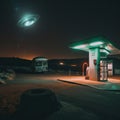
[[61, 23]]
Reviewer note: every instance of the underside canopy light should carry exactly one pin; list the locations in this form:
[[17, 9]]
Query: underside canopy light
[[88, 45], [104, 51], [79, 46], [96, 43]]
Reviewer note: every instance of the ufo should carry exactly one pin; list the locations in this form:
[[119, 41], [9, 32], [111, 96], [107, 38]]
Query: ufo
[[28, 20]]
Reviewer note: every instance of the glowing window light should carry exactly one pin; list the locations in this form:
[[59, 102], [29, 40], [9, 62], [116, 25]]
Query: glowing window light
[[61, 63], [79, 47], [96, 43], [73, 65]]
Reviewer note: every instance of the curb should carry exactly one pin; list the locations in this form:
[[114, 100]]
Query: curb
[[91, 86], [73, 83]]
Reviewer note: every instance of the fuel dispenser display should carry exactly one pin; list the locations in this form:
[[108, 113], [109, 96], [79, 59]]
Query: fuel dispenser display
[[103, 70]]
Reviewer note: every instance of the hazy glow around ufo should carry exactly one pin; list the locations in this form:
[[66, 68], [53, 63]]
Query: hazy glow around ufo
[[28, 20]]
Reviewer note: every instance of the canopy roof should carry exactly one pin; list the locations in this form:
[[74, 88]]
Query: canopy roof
[[100, 42]]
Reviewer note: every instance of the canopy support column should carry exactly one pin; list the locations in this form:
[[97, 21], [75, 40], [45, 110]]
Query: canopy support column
[[94, 64]]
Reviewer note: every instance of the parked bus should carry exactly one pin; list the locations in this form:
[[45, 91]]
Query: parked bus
[[40, 64]]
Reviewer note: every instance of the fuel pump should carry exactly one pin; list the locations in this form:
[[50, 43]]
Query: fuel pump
[[103, 70]]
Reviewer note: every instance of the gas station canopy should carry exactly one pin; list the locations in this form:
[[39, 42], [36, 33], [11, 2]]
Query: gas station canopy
[[106, 47]]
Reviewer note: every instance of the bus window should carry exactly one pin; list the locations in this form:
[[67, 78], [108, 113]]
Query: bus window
[[39, 63]]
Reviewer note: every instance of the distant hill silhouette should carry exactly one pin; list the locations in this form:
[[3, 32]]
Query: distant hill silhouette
[[13, 61], [19, 64]]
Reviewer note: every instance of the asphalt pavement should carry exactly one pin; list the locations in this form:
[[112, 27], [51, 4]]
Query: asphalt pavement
[[81, 99]]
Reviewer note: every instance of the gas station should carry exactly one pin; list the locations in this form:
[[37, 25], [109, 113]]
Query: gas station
[[99, 48]]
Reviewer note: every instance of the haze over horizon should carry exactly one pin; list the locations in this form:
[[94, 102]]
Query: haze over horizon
[[60, 24]]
